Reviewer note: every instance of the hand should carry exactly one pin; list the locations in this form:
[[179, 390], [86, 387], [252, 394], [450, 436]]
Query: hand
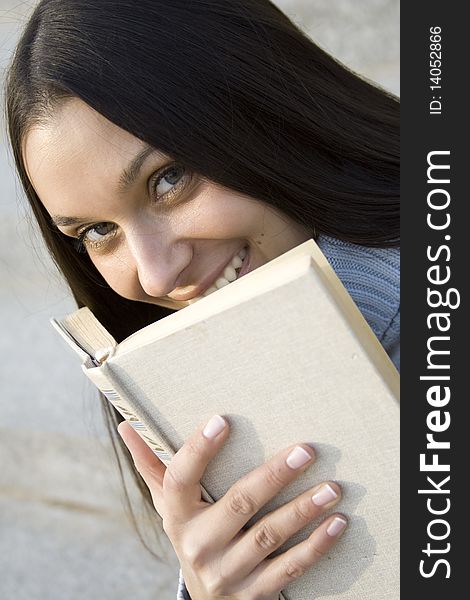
[[219, 559]]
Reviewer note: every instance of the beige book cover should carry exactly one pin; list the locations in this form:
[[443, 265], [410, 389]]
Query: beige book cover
[[285, 355]]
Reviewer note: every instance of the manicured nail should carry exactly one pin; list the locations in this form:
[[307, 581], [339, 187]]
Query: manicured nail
[[297, 458], [215, 426], [336, 526], [324, 495]]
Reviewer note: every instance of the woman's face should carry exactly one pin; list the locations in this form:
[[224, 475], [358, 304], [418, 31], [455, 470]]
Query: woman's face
[[156, 232]]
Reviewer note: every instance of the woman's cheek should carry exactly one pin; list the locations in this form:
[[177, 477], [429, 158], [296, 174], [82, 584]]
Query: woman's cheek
[[119, 274], [218, 213]]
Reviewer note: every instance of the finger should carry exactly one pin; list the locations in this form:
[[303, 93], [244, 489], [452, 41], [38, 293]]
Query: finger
[[275, 528], [146, 462], [273, 575], [251, 492], [181, 483]]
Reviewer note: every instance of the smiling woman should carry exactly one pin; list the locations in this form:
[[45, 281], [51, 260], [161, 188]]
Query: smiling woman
[[169, 147], [154, 230]]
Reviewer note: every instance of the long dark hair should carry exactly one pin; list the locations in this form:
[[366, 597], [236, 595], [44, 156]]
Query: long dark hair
[[233, 90]]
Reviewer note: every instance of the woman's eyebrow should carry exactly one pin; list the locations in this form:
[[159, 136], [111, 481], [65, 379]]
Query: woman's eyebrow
[[131, 172], [60, 221], [127, 178]]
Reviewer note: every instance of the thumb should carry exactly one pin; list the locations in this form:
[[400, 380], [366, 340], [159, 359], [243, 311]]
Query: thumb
[[146, 463]]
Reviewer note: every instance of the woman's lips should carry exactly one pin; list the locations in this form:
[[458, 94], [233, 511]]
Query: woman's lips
[[193, 291]]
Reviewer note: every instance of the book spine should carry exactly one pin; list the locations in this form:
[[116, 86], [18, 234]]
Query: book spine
[[103, 380]]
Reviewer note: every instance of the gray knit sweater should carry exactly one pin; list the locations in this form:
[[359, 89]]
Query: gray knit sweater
[[372, 278]]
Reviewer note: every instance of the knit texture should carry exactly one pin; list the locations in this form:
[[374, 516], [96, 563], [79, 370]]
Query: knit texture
[[372, 278]]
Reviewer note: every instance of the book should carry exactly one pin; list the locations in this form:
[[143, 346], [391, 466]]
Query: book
[[285, 355]]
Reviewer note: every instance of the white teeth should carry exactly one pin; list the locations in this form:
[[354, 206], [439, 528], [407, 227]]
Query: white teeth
[[229, 273], [221, 282], [209, 291], [236, 262]]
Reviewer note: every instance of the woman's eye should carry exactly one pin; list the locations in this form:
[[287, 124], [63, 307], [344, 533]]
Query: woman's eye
[[166, 184], [169, 182], [95, 234]]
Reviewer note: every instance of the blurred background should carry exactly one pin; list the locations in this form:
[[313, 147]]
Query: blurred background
[[63, 529]]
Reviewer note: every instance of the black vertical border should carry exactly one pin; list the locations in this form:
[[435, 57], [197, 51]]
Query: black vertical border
[[421, 133]]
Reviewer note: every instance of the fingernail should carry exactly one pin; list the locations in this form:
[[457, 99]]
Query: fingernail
[[297, 458], [324, 495], [215, 426], [336, 526], [120, 426]]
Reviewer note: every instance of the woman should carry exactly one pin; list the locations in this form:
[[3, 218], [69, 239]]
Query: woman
[[162, 144]]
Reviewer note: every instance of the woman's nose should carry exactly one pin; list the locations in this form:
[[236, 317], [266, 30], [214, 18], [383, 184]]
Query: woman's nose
[[159, 261]]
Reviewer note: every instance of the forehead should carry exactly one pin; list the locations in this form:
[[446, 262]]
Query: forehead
[[76, 149]]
